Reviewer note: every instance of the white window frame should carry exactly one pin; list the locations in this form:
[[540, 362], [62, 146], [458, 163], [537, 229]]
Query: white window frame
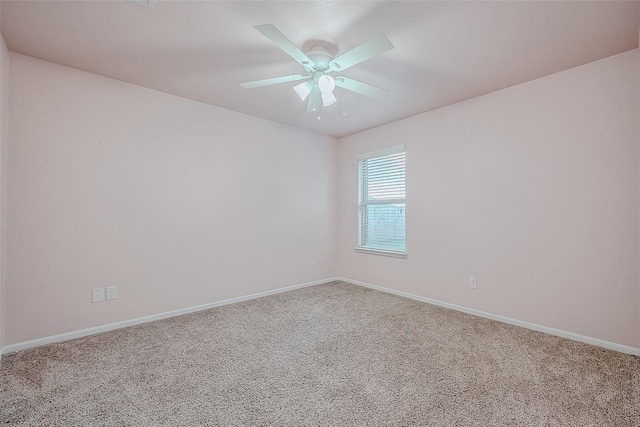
[[362, 203]]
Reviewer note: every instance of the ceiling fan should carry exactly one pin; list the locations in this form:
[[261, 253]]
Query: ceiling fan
[[319, 64]]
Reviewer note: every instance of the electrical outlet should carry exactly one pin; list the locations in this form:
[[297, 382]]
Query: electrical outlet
[[473, 282], [112, 292], [313, 262], [98, 295]]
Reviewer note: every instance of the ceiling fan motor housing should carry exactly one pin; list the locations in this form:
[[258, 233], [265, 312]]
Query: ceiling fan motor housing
[[320, 57]]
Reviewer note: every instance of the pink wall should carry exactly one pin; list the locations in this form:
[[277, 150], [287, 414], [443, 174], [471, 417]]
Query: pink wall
[[533, 189], [177, 202], [4, 140]]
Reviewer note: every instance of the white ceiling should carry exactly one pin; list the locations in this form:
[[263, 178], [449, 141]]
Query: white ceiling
[[444, 52]]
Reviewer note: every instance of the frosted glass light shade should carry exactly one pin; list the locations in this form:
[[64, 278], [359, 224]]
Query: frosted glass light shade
[[326, 84], [303, 90], [328, 99]]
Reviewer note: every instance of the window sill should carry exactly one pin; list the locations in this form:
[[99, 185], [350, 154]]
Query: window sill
[[381, 252]]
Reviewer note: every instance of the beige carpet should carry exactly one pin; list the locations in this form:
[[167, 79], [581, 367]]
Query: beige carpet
[[330, 355]]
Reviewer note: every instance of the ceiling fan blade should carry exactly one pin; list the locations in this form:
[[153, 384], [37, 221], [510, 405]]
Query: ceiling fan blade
[[315, 99], [360, 87], [358, 54], [280, 40], [273, 81]]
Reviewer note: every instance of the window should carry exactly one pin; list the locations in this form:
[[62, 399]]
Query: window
[[381, 202]]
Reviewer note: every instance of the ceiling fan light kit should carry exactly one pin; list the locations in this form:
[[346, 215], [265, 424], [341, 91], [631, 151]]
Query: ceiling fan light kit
[[319, 63], [326, 84]]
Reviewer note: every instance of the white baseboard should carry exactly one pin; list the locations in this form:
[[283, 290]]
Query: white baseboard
[[118, 325], [551, 331], [11, 348]]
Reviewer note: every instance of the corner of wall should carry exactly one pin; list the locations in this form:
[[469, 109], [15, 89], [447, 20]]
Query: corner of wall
[[487, 163], [336, 196]]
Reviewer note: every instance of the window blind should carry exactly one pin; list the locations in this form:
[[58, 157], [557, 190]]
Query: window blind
[[381, 200]]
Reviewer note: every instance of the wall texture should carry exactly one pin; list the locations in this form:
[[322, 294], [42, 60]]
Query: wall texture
[[638, 131], [177, 202], [533, 189], [4, 141]]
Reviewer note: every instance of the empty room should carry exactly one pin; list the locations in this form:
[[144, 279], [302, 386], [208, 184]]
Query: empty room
[[319, 213]]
